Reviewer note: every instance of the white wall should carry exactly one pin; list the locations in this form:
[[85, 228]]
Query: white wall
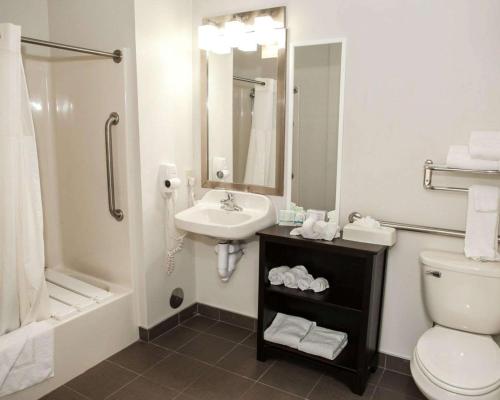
[[164, 54], [419, 76]]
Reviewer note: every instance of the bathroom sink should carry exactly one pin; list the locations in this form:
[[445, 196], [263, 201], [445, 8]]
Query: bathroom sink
[[208, 218]]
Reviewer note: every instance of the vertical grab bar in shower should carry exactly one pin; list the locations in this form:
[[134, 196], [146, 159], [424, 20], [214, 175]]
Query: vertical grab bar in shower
[[113, 119]]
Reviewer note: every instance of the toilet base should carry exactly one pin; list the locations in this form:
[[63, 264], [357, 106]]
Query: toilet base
[[434, 392]]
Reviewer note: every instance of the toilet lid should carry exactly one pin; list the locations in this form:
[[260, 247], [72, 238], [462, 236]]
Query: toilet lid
[[459, 361]]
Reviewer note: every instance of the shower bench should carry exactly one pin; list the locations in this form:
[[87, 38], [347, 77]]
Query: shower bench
[[352, 304]]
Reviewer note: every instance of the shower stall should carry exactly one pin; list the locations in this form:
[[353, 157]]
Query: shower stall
[[84, 127]]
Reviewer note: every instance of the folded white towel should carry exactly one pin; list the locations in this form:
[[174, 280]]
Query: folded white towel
[[26, 357], [288, 330], [276, 275], [323, 342], [485, 145], [319, 285], [459, 157], [290, 278], [482, 226], [305, 282]]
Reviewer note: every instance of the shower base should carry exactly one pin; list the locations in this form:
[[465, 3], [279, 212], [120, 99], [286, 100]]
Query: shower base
[[92, 319]]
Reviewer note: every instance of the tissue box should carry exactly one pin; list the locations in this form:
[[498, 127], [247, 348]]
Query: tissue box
[[383, 235]]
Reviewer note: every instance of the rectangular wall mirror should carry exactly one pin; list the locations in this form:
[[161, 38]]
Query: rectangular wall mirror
[[316, 119], [243, 72]]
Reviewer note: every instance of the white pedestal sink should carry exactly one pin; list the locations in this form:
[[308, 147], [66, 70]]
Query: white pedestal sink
[[254, 212], [208, 218]]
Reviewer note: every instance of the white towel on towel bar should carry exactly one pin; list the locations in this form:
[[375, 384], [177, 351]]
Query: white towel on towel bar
[[481, 234], [323, 342], [26, 357], [288, 330], [459, 157], [485, 145]]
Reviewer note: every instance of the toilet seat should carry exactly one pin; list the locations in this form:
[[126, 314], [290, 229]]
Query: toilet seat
[[459, 362]]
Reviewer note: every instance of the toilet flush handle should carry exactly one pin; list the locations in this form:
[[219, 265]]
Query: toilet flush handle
[[435, 274]]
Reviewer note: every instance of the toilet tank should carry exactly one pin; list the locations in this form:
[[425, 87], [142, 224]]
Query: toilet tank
[[461, 293]]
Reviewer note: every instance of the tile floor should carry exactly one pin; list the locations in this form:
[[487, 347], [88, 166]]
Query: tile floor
[[205, 359]]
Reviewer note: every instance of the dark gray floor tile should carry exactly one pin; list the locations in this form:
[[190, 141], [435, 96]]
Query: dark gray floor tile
[[387, 394], [229, 332], [237, 319], [142, 389], [139, 356], [242, 361], [398, 364], [292, 378], [63, 393], [209, 311], [177, 372], [376, 376], [207, 348], [176, 338], [219, 385], [263, 392], [400, 383], [101, 380], [381, 360], [251, 341], [329, 388], [199, 323]]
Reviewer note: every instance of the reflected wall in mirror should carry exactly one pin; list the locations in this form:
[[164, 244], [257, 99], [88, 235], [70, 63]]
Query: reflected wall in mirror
[[243, 103], [318, 71]]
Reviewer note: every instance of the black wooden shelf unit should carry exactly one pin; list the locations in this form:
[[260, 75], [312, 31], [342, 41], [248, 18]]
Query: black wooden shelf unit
[[352, 304]]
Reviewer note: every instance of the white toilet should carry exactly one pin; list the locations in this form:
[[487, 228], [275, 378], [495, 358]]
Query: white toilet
[[458, 359]]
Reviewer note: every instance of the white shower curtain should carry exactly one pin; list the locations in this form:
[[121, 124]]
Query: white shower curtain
[[261, 160], [23, 293]]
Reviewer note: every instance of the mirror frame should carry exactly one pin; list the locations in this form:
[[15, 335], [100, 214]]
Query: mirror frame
[[289, 147], [278, 189]]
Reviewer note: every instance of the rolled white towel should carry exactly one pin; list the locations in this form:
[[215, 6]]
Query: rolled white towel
[[459, 157], [319, 285], [485, 145], [288, 330], [290, 278], [323, 342], [304, 282], [276, 275]]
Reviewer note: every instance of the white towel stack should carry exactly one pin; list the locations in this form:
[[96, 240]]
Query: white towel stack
[[304, 335], [485, 145], [323, 342], [296, 278], [482, 223], [288, 330], [276, 275], [459, 157]]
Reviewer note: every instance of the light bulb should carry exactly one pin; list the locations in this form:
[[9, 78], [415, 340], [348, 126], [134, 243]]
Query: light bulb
[[221, 45], [206, 36], [248, 42], [233, 30]]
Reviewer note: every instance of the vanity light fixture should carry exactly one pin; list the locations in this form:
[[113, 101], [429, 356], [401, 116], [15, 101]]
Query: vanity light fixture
[[244, 31]]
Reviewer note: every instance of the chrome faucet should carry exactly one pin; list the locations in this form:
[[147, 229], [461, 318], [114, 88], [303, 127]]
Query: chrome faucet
[[228, 203]]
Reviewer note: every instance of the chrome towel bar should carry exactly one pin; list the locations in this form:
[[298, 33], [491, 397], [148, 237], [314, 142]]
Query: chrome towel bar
[[113, 119], [414, 228], [430, 167]]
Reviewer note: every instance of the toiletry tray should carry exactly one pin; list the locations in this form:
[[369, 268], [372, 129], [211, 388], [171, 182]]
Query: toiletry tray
[[352, 304]]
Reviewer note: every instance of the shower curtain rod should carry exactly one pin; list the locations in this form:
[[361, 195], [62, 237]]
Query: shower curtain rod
[[115, 55], [248, 80]]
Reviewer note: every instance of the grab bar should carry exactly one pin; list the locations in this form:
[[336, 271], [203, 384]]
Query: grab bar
[[414, 228], [113, 119]]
